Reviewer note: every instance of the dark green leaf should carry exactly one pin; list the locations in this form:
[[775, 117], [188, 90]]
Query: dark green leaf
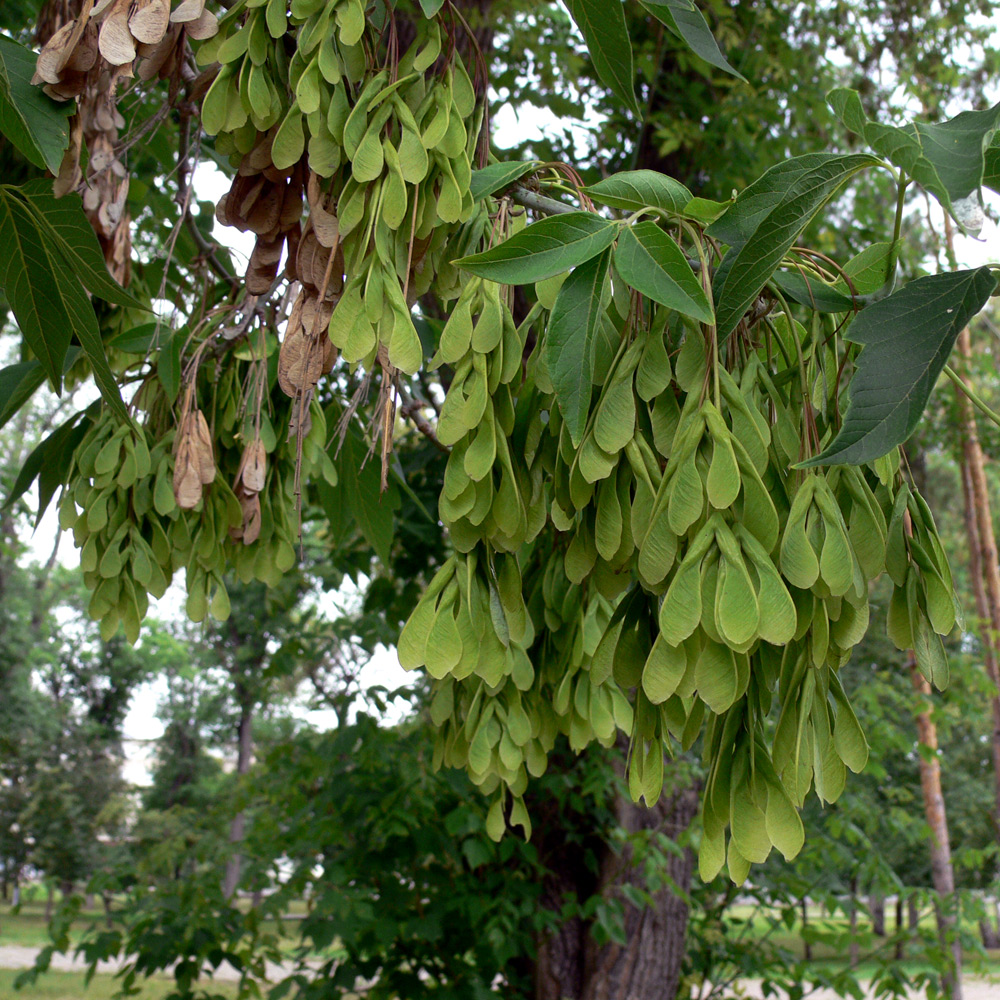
[[372, 509], [907, 339], [498, 177], [683, 17], [947, 159], [547, 247], [33, 121], [653, 264], [44, 452], [168, 365], [634, 189], [602, 23], [30, 286], [871, 270], [55, 469], [139, 339], [63, 221], [812, 292], [569, 352], [18, 383], [777, 218]]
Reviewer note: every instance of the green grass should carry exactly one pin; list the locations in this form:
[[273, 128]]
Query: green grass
[[71, 986]]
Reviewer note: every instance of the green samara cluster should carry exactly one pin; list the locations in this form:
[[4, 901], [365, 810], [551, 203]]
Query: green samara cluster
[[694, 578]]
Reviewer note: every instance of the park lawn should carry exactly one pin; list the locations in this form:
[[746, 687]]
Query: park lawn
[[29, 928], [71, 986]]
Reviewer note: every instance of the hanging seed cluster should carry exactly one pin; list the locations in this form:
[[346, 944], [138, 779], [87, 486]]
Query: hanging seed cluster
[[388, 151], [86, 59], [698, 575]]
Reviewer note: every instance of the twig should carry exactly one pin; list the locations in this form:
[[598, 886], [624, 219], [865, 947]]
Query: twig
[[411, 408], [531, 199]]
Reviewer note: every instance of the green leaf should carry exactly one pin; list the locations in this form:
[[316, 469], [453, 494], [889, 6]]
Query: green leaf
[[684, 18], [774, 213], [602, 23], [498, 177], [62, 220], [36, 124], [168, 364], [29, 284], [545, 248], [907, 339], [653, 264], [812, 292], [947, 159], [372, 509], [871, 270], [634, 189], [47, 299], [18, 383], [431, 7], [569, 351], [45, 451]]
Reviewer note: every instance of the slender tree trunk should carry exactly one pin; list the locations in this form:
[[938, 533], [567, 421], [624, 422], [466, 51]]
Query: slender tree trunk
[[50, 901], [940, 844], [912, 911], [570, 965], [807, 948], [899, 927], [876, 909], [855, 950], [237, 828]]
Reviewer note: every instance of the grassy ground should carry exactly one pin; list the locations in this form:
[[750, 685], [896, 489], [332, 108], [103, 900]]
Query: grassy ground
[[71, 986]]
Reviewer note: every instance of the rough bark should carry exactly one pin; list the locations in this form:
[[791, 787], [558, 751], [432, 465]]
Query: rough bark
[[570, 965], [940, 844], [237, 827], [876, 910]]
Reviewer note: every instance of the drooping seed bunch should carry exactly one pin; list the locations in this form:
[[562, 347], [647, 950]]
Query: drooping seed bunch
[[387, 143], [698, 576]]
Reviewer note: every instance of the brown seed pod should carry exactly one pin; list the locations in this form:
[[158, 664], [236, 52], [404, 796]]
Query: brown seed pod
[[253, 470], [115, 40], [203, 448], [188, 10], [263, 266], [149, 21]]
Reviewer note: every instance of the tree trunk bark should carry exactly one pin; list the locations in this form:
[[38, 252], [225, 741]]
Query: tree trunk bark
[[912, 911], [899, 926], [237, 828], [940, 845], [570, 964], [855, 950], [984, 566], [876, 909]]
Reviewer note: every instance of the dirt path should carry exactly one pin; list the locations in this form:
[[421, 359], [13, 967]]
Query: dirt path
[[14, 956]]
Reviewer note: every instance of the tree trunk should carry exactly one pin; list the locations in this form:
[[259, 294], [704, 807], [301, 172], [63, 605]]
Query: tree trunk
[[806, 943], [984, 567], [855, 951], [940, 845], [899, 926], [912, 911], [876, 909], [49, 901], [570, 964], [237, 828]]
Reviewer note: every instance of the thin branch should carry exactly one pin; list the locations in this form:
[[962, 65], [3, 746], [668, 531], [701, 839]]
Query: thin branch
[[538, 202], [411, 409]]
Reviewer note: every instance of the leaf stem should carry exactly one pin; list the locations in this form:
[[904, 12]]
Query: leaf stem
[[973, 396], [902, 184]]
